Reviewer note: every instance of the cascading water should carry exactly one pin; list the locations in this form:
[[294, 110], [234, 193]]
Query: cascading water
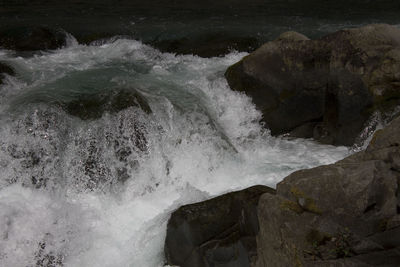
[[100, 143]]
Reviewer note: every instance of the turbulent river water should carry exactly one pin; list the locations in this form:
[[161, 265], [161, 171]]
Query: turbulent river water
[[97, 190]]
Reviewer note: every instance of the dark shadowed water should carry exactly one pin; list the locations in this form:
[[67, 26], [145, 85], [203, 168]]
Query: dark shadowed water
[[157, 20]]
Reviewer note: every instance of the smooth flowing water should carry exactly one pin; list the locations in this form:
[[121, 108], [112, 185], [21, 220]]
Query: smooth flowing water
[[98, 190]]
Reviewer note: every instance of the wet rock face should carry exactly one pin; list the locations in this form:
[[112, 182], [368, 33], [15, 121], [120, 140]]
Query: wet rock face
[[128, 139], [325, 88], [217, 232], [106, 149], [344, 214], [32, 38]]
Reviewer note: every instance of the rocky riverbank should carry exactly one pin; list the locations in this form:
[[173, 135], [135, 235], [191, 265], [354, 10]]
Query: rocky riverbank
[[343, 214]]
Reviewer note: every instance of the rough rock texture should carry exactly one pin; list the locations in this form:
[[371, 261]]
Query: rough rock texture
[[325, 88], [5, 69], [217, 232], [344, 214], [32, 38]]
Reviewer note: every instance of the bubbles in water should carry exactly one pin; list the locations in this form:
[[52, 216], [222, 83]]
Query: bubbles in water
[[92, 183]]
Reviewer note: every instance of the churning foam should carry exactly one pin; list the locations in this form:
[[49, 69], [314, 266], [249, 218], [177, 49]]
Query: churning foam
[[99, 192]]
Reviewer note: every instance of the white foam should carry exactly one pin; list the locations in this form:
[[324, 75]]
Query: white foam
[[202, 140]]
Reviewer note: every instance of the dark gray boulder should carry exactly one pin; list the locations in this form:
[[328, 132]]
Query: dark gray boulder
[[217, 232], [32, 38], [325, 88], [344, 214]]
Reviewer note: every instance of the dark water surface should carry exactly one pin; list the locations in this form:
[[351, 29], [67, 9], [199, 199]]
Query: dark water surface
[[158, 20]]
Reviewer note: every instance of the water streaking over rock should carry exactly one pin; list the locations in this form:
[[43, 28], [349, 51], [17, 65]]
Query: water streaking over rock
[[100, 143]]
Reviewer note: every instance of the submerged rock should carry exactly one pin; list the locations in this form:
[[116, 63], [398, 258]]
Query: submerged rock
[[5, 69], [344, 214], [217, 232], [325, 88], [93, 106], [32, 38], [212, 45]]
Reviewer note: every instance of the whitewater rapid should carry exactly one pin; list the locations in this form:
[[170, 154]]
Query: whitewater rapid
[[99, 192]]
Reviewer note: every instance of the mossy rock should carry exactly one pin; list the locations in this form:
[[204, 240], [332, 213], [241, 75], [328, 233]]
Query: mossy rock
[[305, 202], [292, 206]]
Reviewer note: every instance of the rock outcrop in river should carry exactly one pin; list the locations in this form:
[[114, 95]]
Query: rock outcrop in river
[[5, 69], [325, 88], [344, 214], [32, 38], [221, 230], [207, 45], [93, 106]]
